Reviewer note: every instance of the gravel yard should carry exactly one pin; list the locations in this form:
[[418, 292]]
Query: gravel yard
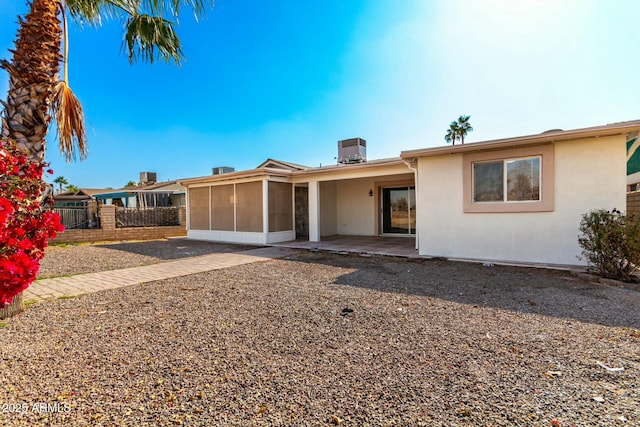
[[323, 339]]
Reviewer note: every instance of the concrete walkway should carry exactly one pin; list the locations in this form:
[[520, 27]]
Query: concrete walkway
[[79, 284]]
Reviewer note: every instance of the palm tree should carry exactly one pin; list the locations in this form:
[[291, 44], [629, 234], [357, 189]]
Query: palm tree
[[464, 127], [71, 188], [453, 133], [61, 180], [458, 129], [34, 87], [35, 91]]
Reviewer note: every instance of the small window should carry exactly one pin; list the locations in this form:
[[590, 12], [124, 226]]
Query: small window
[[520, 183], [488, 181]]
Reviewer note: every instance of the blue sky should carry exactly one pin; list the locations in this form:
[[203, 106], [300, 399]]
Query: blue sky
[[287, 79]]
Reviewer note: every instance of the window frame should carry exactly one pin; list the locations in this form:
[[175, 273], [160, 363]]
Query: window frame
[[546, 202], [505, 179]]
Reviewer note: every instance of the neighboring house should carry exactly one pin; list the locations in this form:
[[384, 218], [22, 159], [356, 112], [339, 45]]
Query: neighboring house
[[75, 198], [517, 199], [633, 163], [160, 194]]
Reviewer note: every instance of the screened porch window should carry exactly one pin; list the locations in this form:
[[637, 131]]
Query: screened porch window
[[509, 180]]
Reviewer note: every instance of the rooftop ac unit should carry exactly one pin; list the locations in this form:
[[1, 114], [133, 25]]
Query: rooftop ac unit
[[148, 177], [353, 150], [222, 169]]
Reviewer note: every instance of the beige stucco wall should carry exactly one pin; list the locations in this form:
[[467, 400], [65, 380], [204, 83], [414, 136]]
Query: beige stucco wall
[[356, 212], [589, 174]]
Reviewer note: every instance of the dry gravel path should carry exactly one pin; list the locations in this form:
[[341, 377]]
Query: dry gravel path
[[321, 339]]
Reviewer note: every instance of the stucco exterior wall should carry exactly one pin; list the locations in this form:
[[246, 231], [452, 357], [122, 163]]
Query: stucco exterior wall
[[589, 174], [356, 212]]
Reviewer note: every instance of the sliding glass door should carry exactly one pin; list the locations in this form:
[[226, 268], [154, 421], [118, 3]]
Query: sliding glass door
[[399, 210]]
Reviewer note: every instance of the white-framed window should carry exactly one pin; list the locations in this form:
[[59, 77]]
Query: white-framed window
[[513, 180]]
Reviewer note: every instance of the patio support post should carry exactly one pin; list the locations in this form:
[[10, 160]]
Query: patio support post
[[314, 211], [412, 164]]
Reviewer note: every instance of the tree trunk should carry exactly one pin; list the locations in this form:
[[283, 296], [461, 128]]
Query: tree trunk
[[33, 74], [16, 306]]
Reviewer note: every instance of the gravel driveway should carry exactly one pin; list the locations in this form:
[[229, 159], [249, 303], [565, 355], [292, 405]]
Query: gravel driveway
[[321, 339]]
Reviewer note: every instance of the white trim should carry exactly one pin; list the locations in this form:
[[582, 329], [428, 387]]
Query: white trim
[[241, 236], [281, 236], [634, 178]]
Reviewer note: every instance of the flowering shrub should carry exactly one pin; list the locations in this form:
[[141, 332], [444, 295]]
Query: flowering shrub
[[25, 223]]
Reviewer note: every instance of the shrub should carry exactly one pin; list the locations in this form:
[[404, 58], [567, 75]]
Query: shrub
[[26, 224], [610, 242]]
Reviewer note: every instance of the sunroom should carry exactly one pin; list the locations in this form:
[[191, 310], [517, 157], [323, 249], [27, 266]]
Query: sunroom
[[281, 202]]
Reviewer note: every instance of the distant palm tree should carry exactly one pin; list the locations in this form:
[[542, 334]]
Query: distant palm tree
[[131, 184], [458, 129], [453, 133], [61, 180], [464, 127], [71, 188]]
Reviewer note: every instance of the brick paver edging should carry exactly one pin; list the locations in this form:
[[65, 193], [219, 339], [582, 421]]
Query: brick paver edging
[[79, 284]]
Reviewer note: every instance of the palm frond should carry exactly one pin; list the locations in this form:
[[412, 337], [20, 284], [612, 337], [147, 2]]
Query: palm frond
[[453, 133], [92, 11], [150, 36], [174, 6], [84, 10], [70, 122]]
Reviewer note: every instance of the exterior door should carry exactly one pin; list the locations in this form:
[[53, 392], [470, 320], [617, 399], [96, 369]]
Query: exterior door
[[399, 210]]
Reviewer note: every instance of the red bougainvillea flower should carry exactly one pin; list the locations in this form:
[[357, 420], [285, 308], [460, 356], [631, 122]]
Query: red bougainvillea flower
[[26, 224]]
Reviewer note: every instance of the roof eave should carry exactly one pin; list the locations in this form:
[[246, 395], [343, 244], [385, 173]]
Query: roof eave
[[544, 138], [338, 168], [252, 173]]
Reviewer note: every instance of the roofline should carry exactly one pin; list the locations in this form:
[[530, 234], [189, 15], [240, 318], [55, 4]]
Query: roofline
[[543, 138], [282, 162], [258, 172], [262, 172], [132, 192], [341, 167]]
